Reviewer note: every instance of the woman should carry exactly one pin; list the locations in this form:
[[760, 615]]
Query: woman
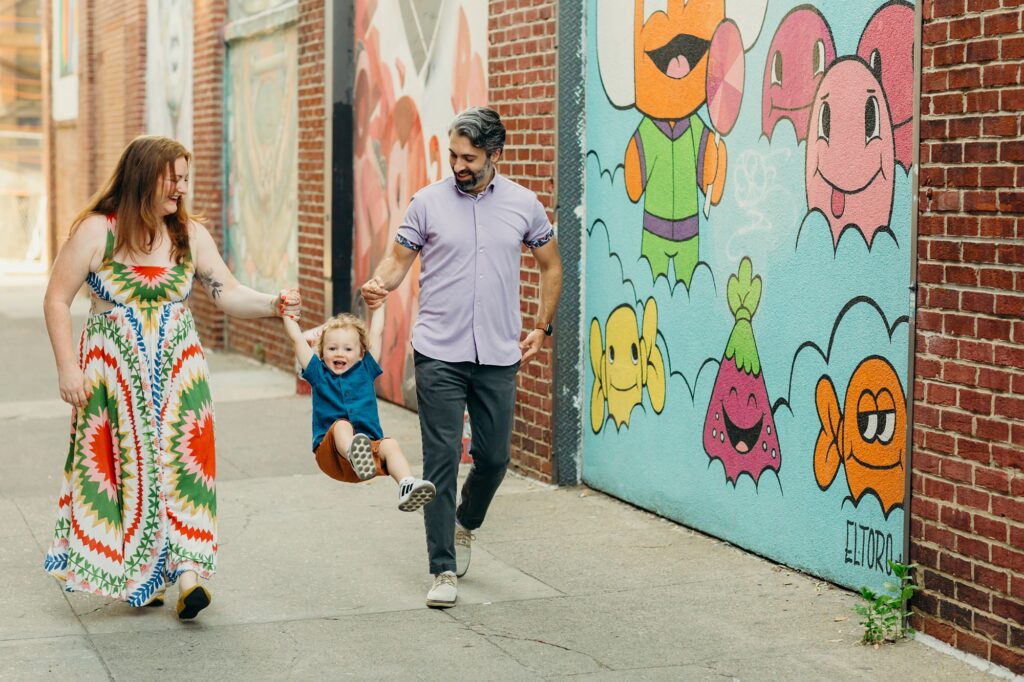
[[138, 508]]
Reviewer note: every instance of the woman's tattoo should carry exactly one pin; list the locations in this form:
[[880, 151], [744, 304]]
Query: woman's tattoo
[[211, 285]]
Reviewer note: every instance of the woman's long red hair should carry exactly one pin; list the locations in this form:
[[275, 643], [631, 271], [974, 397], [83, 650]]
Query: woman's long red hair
[[131, 195]]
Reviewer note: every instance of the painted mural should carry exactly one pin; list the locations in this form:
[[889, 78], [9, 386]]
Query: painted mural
[[418, 63], [262, 151], [64, 59], [169, 69], [748, 206]]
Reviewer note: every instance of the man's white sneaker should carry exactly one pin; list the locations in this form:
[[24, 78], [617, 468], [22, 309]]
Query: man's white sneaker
[[444, 591], [463, 549], [415, 494], [360, 456]]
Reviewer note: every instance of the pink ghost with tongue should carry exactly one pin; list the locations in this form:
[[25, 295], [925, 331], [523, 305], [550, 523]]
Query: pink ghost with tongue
[[850, 155]]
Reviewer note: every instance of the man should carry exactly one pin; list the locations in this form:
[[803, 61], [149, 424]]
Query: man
[[468, 230]]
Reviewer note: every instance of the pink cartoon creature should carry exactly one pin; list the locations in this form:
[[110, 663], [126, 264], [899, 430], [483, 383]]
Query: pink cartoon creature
[[849, 161], [887, 46], [800, 51]]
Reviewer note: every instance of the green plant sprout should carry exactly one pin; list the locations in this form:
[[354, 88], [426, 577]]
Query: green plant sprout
[[884, 616]]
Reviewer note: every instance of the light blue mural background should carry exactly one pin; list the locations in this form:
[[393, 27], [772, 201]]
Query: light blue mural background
[[658, 461]]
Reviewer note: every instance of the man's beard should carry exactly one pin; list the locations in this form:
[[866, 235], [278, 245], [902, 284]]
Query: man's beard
[[475, 178]]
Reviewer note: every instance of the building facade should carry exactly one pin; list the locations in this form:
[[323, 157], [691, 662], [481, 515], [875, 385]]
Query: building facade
[[791, 235]]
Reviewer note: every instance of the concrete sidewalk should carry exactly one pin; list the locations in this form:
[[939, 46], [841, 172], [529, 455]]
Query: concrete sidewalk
[[318, 579]]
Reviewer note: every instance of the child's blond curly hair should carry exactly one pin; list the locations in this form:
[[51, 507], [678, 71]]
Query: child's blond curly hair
[[344, 321]]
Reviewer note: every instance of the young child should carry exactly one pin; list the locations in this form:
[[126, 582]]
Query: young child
[[347, 437]]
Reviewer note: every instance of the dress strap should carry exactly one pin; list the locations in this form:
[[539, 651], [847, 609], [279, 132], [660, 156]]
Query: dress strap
[[108, 252]]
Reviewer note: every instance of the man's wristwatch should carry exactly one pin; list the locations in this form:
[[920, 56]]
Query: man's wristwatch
[[548, 330]]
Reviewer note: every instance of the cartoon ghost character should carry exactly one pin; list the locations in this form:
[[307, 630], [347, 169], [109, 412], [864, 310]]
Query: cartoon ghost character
[[628, 362], [653, 55], [739, 429], [887, 45], [800, 51], [867, 437], [849, 161]]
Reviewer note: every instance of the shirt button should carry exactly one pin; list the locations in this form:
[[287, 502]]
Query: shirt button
[[481, 276]]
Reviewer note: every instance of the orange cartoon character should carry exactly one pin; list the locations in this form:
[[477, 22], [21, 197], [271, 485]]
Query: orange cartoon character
[[867, 437], [662, 71]]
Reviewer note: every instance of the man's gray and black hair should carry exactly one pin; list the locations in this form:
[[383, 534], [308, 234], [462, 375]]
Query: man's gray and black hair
[[482, 126]]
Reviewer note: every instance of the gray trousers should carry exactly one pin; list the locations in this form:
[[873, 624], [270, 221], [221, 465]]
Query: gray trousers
[[443, 391]]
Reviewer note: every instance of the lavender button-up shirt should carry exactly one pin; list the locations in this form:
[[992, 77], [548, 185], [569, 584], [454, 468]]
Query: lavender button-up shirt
[[470, 249]]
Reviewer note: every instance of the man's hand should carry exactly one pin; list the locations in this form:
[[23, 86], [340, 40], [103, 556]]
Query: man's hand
[[313, 335], [531, 345], [374, 293]]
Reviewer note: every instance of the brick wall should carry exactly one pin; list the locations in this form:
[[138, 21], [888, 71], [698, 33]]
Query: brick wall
[[967, 521], [264, 338], [113, 92], [82, 153], [313, 159], [522, 60], [207, 147]]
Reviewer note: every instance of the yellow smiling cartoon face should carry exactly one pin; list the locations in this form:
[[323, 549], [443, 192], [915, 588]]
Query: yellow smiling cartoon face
[[628, 362]]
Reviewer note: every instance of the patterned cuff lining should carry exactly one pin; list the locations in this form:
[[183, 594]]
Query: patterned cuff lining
[[540, 242], [406, 243]]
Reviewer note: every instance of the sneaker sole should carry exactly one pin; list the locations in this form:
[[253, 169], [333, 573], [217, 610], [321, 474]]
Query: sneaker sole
[[417, 498], [435, 604], [360, 456]]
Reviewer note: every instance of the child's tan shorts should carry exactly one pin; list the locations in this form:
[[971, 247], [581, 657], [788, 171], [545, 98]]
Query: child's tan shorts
[[337, 466]]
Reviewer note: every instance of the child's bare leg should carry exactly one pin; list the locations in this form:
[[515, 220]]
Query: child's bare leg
[[343, 433], [412, 493], [393, 459]]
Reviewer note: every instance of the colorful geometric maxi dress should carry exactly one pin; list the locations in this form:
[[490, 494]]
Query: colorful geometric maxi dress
[[138, 504]]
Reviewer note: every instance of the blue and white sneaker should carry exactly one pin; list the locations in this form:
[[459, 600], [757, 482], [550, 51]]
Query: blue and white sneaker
[[414, 493]]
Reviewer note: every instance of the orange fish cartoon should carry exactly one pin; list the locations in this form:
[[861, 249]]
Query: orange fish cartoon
[[868, 437]]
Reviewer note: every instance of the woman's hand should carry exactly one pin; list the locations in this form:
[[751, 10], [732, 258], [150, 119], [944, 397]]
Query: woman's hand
[[72, 386], [288, 304]]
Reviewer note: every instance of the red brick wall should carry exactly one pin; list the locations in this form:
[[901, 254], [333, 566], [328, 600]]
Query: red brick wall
[[967, 522], [522, 60], [111, 109], [113, 92], [313, 159], [207, 147], [264, 338]]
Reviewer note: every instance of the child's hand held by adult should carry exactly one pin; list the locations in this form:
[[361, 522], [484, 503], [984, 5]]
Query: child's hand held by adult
[[374, 293], [289, 304]]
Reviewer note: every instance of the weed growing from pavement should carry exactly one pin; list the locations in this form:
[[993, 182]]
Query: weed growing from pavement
[[884, 616]]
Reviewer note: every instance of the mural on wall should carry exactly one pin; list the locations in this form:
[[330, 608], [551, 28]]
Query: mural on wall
[[262, 219], [418, 63], [64, 59], [759, 153], [169, 69], [625, 364]]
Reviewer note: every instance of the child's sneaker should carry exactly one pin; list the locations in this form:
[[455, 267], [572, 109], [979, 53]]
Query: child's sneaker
[[360, 456], [414, 493]]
